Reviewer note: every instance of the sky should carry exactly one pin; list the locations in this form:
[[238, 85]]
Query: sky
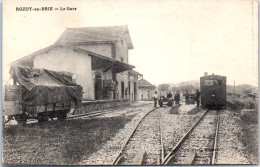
[[174, 40]]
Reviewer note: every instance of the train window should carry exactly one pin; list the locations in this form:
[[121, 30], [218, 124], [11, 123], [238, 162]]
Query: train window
[[211, 82]]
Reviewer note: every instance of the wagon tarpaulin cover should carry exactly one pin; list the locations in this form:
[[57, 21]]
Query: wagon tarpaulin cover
[[41, 86]]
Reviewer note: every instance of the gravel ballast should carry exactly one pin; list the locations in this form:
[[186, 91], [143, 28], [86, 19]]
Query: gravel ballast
[[97, 140]]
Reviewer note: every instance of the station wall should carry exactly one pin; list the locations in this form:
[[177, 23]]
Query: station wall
[[65, 59], [146, 94], [102, 49]]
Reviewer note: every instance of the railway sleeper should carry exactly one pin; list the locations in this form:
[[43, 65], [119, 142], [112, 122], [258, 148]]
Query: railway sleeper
[[139, 158], [205, 161], [189, 159]]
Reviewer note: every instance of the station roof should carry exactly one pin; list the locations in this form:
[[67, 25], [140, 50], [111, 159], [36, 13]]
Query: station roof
[[92, 35], [134, 73], [142, 83], [98, 61]]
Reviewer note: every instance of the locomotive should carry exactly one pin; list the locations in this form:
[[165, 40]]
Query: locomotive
[[213, 91]]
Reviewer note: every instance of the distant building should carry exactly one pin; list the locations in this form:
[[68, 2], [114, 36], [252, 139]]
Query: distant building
[[146, 90], [133, 85], [98, 58]]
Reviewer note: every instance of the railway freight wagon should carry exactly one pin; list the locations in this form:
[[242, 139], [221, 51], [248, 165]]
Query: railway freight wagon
[[40, 94], [213, 91]]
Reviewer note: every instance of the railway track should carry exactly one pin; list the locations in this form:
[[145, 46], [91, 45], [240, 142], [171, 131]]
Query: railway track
[[143, 145], [91, 114], [199, 145], [101, 112], [84, 115]]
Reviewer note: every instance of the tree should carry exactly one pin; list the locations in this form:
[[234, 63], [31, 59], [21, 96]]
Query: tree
[[247, 91], [163, 88]]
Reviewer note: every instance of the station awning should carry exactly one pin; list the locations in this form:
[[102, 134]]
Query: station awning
[[99, 61], [121, 67], [134, 73], [106, 63]]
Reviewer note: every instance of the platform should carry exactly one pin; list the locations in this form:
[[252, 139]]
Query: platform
[[184, 109], [102, 105]]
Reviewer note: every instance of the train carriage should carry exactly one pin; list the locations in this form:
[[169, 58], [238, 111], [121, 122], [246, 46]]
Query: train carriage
[[213, 91], [40, 94]]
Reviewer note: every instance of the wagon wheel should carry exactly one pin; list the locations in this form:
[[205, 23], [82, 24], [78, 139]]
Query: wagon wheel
[[21, 119], [6, 119], [203, 106], [170, 103], [62, 115], [42, 117]]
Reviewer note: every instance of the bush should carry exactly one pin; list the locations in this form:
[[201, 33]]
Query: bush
[[236, 103]]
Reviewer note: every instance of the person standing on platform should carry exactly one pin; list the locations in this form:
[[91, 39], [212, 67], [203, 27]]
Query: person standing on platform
[[197, 98], [186, 95], [169, 95], [155, 97], [177, 98]]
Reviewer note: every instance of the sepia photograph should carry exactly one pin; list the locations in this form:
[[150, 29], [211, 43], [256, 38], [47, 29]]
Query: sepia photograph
[[129, 82]]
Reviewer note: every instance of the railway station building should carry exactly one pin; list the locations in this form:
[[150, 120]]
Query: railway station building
[[98, 59], [146, 90]]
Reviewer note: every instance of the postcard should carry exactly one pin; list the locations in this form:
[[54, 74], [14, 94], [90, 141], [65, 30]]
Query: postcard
[[152, 82]]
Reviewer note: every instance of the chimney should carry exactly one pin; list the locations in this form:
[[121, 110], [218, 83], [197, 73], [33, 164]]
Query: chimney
[[205, 73]]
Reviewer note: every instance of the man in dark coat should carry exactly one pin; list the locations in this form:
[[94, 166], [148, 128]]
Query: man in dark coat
[[169, 95], [177, 98], [186, 95], [197, 98], [155, 96]]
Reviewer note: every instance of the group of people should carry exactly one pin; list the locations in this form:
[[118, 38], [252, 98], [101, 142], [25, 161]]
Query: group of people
[[196, 98], [177, 97]]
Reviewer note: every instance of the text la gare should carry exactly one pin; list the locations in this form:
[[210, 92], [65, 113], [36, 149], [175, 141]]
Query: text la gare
[[68, 8]]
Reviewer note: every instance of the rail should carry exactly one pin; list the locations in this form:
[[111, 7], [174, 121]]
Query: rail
[[119, 155], [175, 148], [213, 160], [86, 115]]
